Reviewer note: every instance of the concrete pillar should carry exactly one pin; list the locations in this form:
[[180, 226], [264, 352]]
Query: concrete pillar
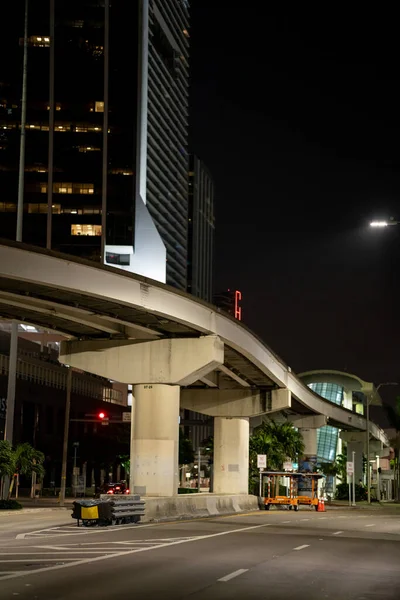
[[310, 441], [231, 455], [307, 462], [155, 440]]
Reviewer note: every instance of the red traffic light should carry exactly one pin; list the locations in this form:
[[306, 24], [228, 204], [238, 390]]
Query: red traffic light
[[102, 415]]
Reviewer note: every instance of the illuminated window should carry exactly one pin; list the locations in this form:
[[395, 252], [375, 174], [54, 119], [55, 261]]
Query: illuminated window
[[88, 149], [121, 172], [38, 40], [83, 229], [67, 210], [42, 208], [99, 107], [62, 188], [8, 207], [83, 188], [58, 107], [186, 33]]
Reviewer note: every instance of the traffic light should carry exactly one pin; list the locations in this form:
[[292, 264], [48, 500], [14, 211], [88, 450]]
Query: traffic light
[[103, 417]]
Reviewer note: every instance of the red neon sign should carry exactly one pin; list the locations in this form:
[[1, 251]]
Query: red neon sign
[[238, 309]]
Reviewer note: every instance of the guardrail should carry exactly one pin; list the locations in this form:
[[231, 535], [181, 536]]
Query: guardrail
[[108, 511]]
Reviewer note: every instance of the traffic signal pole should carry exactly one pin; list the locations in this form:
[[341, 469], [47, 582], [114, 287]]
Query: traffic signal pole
[[65, 441]]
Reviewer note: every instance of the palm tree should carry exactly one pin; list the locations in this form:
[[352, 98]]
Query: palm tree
[[26, 460], [7, 464], [279, 441]]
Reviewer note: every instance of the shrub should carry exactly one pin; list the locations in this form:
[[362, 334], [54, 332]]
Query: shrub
[[187, 490], [342, 492], [10, 505]]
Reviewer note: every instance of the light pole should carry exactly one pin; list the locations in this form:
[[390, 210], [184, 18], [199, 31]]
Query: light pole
[[369, 399]]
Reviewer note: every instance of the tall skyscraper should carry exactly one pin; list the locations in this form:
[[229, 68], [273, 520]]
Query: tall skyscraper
[[106, 131], [201, 230]]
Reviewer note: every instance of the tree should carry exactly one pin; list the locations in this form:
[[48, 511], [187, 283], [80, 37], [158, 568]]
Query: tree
[[186, 452], [279, 441], [393, 413], [7, 464], [22, 460]]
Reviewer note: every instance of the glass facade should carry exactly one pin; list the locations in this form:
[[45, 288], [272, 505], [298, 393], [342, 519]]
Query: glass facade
[[74, 174], [328, 436]]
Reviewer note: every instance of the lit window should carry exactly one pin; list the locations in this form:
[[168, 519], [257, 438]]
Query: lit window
[[37, 40], [88, 149], [8, 207], [99, 107], [83, 188], [186, 33], [83, 229], [42, 208], [62, 188], [121, 172]]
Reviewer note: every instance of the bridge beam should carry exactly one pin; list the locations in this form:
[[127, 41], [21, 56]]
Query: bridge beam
[[235, 402], [175, 361]]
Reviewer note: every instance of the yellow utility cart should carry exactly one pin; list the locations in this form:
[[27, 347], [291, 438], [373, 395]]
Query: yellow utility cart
[[309, 483], [279, 488]]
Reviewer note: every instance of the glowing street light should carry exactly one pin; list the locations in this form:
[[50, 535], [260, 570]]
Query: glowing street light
[[383, 223]]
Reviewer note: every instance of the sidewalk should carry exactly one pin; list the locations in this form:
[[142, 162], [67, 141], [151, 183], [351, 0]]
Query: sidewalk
[[363, 504]]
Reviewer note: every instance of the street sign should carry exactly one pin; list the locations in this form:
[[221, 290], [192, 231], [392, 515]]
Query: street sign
[[262, 461], [350, 468], [288, 466], [126, 417]]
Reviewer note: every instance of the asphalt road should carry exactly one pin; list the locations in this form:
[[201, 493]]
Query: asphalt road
[[340, 554]]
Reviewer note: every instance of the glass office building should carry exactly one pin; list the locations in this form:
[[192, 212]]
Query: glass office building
[[328, 436], [106, 162]]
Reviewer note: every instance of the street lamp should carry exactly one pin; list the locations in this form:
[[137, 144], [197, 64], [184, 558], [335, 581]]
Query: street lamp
[[381, 224], [369, 399]]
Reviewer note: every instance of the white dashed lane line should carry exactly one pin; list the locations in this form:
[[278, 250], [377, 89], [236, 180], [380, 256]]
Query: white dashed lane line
[[302, 547], [232, 575], [337, 533], [371, 525]]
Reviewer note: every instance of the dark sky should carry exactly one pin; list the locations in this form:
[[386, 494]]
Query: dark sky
[[297, 115]]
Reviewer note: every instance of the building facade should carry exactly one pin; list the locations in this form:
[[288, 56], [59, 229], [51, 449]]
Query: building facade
[[201, 230], [105, 170], [40, 410]]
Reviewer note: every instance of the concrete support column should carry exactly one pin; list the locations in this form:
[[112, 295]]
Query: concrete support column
[[310, 441], [155, 440], [231, 455]]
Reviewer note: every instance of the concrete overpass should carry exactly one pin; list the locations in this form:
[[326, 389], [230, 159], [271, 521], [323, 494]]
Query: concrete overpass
[[175, 350]]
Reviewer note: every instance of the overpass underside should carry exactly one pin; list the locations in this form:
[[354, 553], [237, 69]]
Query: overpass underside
[[176, 351]]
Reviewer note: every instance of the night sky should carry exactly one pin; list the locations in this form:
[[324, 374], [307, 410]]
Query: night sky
[[297, 115]]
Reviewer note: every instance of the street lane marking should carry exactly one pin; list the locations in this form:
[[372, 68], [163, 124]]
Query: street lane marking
[[337, 533], [31, 560], [286, 521], [372, 525], [232, 575], [304, 519], [57, 531], [302, 547], [85, 561]]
